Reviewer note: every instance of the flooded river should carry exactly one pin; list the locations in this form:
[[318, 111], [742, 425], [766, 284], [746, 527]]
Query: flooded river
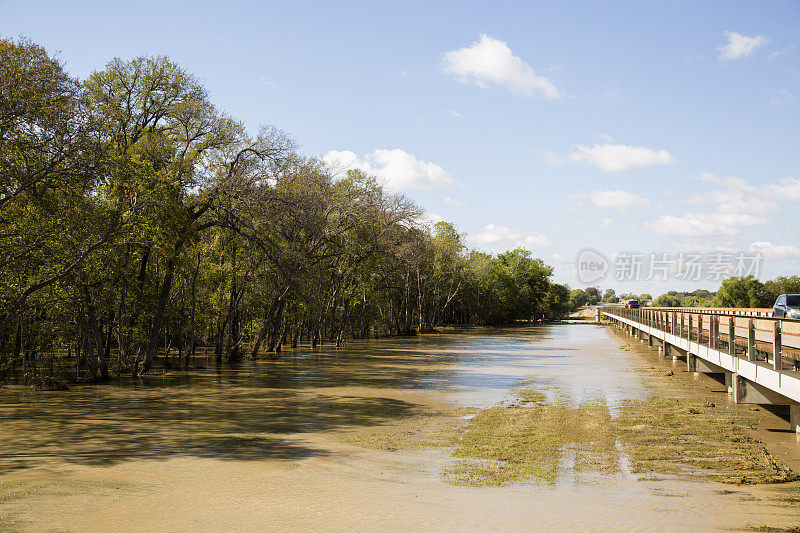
[[337, 439]]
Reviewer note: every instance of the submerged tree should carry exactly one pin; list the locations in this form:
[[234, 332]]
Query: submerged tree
[[138, 224]]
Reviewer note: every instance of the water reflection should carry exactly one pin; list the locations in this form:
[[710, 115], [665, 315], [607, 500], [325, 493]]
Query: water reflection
[[251, 411]]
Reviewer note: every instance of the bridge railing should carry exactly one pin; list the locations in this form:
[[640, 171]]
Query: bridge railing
[[750, 333]]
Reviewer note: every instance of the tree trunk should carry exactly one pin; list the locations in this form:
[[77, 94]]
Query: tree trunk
[[265, 327], [99, 361], [273, 340], [163, 298]]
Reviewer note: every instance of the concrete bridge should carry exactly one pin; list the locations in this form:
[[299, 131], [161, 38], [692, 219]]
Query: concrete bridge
[[759, 355]]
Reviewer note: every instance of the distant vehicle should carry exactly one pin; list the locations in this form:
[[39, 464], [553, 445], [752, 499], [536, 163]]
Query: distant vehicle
[[632, 304], [787, 306]]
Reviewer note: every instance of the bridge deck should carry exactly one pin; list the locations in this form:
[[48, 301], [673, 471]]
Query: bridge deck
[[765, 350]]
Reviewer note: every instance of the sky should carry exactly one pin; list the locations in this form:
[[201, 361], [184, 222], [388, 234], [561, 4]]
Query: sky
[[643, 137]]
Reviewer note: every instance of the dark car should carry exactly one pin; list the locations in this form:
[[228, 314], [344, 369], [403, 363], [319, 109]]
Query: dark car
[[787, 306], [632, 304]]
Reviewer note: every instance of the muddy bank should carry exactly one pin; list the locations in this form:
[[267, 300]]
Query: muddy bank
[[361, 438]]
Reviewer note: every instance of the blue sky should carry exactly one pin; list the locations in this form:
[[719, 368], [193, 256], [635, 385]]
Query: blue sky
[[636, 127]]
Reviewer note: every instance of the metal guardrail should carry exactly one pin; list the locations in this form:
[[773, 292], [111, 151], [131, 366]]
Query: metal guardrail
[[750, 333]]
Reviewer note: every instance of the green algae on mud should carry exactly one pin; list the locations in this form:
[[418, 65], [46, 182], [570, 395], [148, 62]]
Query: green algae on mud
[[530, 443], [691, 437], [536, 441]]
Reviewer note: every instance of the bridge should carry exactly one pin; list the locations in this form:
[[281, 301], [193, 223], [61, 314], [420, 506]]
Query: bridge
[[758, 354]]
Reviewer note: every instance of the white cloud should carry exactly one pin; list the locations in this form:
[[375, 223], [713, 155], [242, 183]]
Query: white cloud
[[268, 82], [617, 199], [490, 61], [734, 196], [775, 252], [713, 224], [501, 235], [739, 46], [397, 169], [606, 222], [453, 113], [618, 157], [559, 259], [787, 189], [455, 202]]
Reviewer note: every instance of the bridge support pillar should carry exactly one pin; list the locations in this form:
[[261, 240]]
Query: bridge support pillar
[[698, 364], [745, 391], [649, 340], [794, 417]]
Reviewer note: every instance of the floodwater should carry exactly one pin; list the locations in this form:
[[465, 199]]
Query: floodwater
[[334, 439]]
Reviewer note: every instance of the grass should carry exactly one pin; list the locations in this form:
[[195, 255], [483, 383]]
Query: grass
[[687, 436], [532, 442], [535, 441]]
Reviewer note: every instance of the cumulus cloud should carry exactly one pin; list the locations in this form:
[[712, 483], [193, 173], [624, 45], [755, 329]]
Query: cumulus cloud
[[453, 113], [503, 236], [397, 169], [619, 157], [713, 224], [787, 189], [775, 252], [739, 46], [734, 195], [617, 199], [732, 205], [489, 62]]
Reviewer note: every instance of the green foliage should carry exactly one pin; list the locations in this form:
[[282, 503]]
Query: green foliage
[[774, 288], [136, 219], [739, 292], [697, 298], [593, 296], [578, 298]]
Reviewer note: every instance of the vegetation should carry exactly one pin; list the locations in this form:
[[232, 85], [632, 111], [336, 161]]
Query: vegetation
[[665, 433], [734, 292], [697, 298], [528, 442], [137, 220]]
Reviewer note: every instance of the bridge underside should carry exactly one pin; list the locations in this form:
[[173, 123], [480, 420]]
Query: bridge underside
[[755, 382]]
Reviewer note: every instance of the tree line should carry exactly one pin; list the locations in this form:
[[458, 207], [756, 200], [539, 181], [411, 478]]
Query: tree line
[[139, 224], [747, 291]]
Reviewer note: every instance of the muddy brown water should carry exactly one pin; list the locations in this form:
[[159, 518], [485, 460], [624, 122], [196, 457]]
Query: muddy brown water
[[320, 440]]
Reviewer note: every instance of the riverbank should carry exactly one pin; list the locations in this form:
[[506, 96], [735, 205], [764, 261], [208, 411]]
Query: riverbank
[[367, 438]]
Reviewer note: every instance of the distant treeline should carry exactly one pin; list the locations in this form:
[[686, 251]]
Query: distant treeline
[[138, 222], [734, 292], [594, 296]]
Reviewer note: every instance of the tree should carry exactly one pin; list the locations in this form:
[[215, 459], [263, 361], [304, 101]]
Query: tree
[[578, 298], [593, 296], [739, 292]]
